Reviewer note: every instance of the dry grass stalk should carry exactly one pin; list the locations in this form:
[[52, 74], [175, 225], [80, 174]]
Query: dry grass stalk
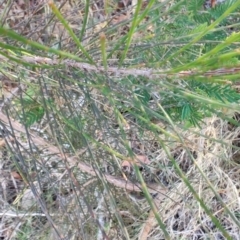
[[74, 161], [145, 72]]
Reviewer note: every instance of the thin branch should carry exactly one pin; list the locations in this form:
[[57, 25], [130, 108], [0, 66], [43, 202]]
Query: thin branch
[[74, 161], [20, 215], [145, 72]]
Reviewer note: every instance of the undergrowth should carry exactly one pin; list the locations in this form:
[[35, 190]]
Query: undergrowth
[[120, 121]]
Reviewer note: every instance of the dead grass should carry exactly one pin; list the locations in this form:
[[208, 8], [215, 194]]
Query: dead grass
[[183, 215], [56, 203]]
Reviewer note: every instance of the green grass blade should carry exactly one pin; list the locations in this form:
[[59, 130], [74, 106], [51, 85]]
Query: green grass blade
[[70, 31], [103, 49], [131, 32], [209, 28], [85, 19], [186, 181], [62, 54]]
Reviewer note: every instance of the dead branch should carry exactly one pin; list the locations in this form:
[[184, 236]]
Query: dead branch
[[146, 72], [75, 161]]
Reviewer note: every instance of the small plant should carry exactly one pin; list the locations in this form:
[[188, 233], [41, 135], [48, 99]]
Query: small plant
[[153, 81]]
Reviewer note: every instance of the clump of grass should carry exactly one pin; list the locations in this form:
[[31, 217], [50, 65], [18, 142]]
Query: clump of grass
[[153, 88]]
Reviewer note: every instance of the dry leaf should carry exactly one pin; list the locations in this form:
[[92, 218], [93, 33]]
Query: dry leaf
[[29, 198], [138, 160], [16, 175], [100, 26], [2, 143], [120, 18], [151, 221]]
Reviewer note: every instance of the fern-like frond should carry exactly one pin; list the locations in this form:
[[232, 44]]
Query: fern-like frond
[[224, 93], [195, 5]]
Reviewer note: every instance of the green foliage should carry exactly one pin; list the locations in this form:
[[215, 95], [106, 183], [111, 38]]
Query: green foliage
[[25, 230], [210, 14], [31, 111], [182, 109], [219, 9], [73, 129], [224, 93], [195, 5], [167, 52]]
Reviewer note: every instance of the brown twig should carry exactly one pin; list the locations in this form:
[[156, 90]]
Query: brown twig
[[150, 222], [10, 91], [146, 72], [75, 161]]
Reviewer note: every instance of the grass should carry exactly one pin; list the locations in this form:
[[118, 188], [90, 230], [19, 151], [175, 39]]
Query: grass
[[120, 130]]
